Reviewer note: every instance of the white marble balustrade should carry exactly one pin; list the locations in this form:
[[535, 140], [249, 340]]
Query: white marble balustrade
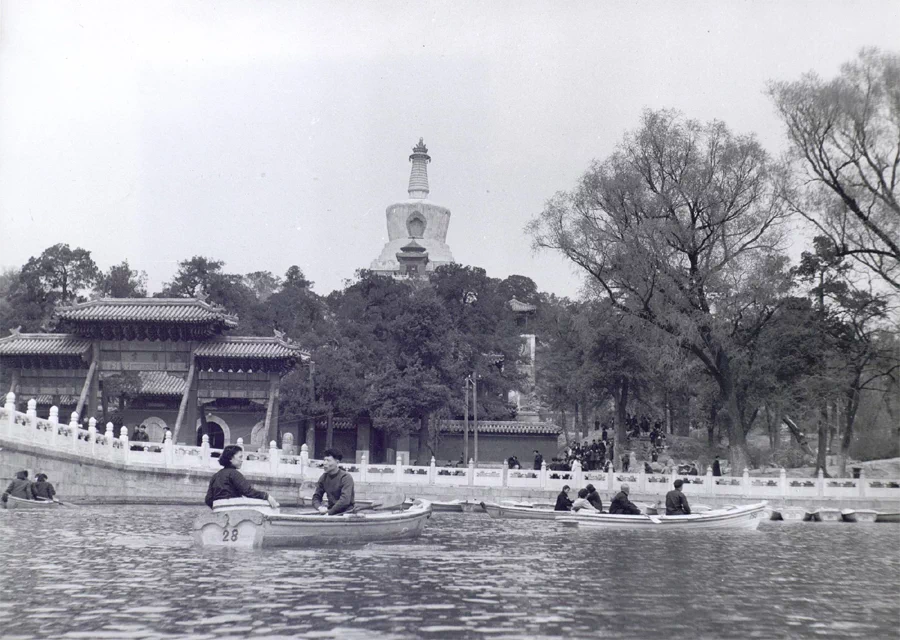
[[103, 444]]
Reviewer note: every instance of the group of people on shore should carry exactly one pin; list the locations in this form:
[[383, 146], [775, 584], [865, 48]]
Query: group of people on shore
[[589, 500], [24, 489]]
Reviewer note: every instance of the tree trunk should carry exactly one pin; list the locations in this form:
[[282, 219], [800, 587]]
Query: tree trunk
[[847, 436], [822, 448], [621, 399], [799, 436], [738, 457], [329, 429], [426, 447], [711, 427]]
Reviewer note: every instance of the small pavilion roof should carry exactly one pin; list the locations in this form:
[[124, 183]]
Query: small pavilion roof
[[521, 307], [43, 344], [161, 383], [147, 310]]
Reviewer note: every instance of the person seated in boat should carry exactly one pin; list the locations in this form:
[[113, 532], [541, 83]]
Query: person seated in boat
[[336, 483], [229, 482], [563, 503], [621, 505], [676, 502], [20, 488], [42, 489], [581, 503], [593, 497]]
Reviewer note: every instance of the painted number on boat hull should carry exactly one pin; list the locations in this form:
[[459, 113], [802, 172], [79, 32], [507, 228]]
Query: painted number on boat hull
[[230, 535]]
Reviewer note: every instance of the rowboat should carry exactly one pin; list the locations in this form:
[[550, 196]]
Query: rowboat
[[888, 516], [793, 514], [21, 503], [247, 523], [745, 517], [519, 512], [859, 515], [811, 515], [829, 514], [453, 506], [471, 506]]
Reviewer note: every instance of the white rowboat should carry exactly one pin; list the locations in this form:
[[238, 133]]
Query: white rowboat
[[888, 516], [745, 517], [859, 515], [521, 513], [258, 525], [19, 503]]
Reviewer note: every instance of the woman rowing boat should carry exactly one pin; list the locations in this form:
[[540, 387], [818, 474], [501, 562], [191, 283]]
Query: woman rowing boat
[[231, 483]]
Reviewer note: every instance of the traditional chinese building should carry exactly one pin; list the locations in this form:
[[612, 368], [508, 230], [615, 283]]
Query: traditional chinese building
[[169, 364]]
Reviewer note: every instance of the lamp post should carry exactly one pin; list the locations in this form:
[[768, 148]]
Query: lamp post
[[471, 380]]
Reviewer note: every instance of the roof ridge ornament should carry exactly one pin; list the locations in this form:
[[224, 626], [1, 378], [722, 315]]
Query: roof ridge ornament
[[16, 331]]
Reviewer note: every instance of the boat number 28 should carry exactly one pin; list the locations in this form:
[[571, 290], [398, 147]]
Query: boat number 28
[[230, 535]]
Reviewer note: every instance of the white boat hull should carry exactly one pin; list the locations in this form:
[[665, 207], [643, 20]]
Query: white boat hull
[[829, 515], [859, 515], [793, 514], [19, 503], [745, 517], [251, 528], [520, 513], [892, 516]]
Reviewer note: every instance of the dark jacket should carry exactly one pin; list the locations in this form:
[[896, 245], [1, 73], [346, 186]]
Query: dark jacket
[[622, 505], [677, 504], [594, 498], [717, 468], [538, 460], [19, 489], [339, 489], [43, 489], [230, 483], [562, 502]]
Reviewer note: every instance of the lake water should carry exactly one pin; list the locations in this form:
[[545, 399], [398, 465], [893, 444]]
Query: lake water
[[132, 572]]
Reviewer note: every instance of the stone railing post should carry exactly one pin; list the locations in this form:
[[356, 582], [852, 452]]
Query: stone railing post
[[92, 436], [54, 425], [543, 475], [73, 430], [240, 443], [432, 471], [204, 451], [820, 484], [611, 479], [861, 483], [710, 482], [304, 460], [470, 473], [782, 482], [577, 475], [642, 481], [745, 483], [504, 474], [398, 469], [110, 439], [123, 438], [363, 466], [169, 450], [274, 458], [31, 414], [10, 408]]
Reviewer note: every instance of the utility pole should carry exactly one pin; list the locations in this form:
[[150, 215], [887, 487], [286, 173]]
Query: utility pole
[[466, 425], [475, 412]]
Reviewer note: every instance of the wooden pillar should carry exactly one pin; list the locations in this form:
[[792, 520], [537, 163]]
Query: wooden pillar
[[14, 383], [94, 390], [272, 409], [86, 388], [183, 407]]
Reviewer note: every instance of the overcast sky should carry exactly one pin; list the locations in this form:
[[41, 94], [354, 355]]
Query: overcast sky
[[267, 134]]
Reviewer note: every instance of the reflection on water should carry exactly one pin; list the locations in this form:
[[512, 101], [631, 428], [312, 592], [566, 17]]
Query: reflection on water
[[133, 572]]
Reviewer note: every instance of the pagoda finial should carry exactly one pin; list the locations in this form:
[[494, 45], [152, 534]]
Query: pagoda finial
[[418, 175]]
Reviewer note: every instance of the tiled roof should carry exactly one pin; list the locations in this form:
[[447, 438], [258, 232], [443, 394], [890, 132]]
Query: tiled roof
[[502, 426], [39, 344], [160, 383], [175, 310], [250, 347], [520, 307]]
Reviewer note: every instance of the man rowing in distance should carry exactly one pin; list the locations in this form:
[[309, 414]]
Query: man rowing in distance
[[676, 502], [336, 483], [621, 505]]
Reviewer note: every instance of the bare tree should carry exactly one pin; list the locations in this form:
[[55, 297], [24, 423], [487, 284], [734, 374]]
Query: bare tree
[[679, 229], [844, 157]]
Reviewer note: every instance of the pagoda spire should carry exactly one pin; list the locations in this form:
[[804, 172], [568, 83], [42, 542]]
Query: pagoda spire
[[418, 175]]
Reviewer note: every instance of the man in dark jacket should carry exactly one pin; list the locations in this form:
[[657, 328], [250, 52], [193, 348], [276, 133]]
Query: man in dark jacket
[[717, 468], [621, 505], [594, 498], [676, 502], [336, 483], [538, 460], [562, 500], [19, 488]]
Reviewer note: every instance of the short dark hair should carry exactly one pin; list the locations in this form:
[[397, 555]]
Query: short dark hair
[[228, 453], [582, 493], [22, 475], [566, 487], [41, 477], [334, 453], [678, 483], [590, 488]]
